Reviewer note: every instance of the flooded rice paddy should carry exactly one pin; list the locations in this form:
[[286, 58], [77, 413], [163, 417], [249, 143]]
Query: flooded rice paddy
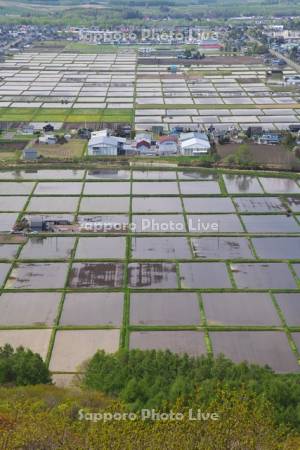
[[91, 309], [164, 309], [156, 204], [277, 247], [242, 184], [152, 275], [48, 248], [222, 248], [270, 224], [101, 248], [29, 308], [37, 276], [259, 204], [204, 275], [261, 347], [263, 276], [95, 275], [208, 253], [249, 309], [52, 204], [8, 251], [206, 205], [160, 248], [191, 342]]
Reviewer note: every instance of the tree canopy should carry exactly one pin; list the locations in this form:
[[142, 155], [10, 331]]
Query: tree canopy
[[156, 379], [22, 367]]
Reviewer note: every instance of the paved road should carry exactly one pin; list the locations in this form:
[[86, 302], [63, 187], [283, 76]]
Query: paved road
[[278, 55], [12, 44], [287, 60]]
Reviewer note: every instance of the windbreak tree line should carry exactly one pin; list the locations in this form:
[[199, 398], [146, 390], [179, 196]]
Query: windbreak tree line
[[157, 379]]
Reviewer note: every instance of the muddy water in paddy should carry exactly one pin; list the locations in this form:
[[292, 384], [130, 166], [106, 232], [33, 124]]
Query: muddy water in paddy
[[96, 275], [152, 275], [259, 204], [222, 248], [38, 276], [48, 248]]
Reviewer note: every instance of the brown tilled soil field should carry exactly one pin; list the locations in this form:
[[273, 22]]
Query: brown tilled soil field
[[272, 156], [208, 60], [10, 146], [72, 149]]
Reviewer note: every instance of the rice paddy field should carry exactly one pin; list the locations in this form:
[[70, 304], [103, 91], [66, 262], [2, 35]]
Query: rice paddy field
[[198, 261], [72, 88]]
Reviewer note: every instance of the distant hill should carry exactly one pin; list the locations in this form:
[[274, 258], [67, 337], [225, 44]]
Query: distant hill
[[59, 2]]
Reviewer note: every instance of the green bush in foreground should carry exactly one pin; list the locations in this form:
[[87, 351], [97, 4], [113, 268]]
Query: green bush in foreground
[[47, 418], [22, 367], [156, 379]]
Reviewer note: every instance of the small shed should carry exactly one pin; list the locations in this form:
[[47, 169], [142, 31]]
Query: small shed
[[36, 223], [157, 130], [30, 154]]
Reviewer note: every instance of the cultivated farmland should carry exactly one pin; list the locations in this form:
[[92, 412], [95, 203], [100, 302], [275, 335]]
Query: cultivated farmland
[[197, 261]]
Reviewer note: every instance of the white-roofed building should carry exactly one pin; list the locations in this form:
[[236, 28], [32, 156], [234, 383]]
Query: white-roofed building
[[194, 144], [101, 144]]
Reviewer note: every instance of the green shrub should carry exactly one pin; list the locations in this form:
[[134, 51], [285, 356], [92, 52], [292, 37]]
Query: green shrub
[[22, 367]]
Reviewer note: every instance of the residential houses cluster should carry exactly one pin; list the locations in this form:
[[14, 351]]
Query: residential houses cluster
[[102, 143], [284, 41], [19, 36]]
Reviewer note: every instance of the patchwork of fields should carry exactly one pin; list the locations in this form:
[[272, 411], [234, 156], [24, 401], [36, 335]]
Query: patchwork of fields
[[114, 87], [196, 261]]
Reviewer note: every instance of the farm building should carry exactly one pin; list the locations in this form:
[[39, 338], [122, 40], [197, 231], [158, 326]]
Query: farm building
[[28, 129], [269, 139], [48, 139], [168, 145], [48, 128], [193, 144], [101, 144], [30, 154], [143, 142]]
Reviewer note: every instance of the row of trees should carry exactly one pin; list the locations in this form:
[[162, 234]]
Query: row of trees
[[156, 379]]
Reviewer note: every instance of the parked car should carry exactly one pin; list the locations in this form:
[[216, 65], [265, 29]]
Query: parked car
[[294, 128]]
